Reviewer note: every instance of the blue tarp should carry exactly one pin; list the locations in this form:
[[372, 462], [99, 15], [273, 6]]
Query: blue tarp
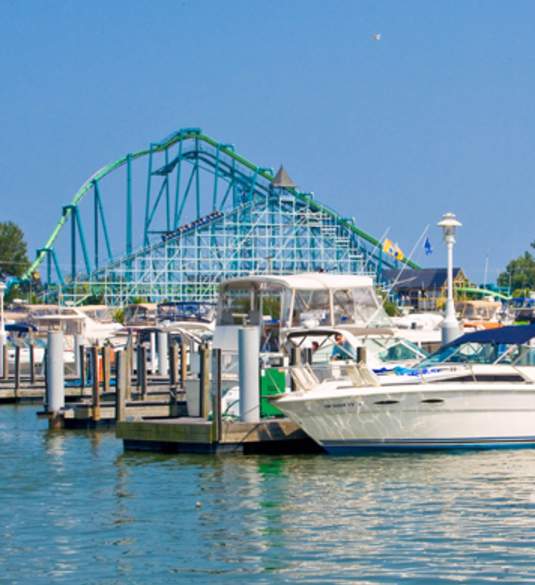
[[512, 334]]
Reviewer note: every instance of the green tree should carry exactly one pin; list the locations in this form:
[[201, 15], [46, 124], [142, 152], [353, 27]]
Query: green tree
[[520, 272], [13, 250]]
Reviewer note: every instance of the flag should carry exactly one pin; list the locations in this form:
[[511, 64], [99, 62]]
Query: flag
[[393, 249], [427, 247]]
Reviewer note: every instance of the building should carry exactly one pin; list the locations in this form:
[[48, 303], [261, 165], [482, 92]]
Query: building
[[424, 289]]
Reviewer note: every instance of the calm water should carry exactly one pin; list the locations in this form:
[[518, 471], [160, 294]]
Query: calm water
[[75, 509]]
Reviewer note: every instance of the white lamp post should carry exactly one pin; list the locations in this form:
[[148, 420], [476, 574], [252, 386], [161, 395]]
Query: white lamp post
[[450, 326], [2, 328]]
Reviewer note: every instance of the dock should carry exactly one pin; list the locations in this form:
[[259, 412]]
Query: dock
[[198, 435]]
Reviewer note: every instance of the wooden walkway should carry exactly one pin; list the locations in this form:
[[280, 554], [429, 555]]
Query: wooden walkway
[[197, 435]]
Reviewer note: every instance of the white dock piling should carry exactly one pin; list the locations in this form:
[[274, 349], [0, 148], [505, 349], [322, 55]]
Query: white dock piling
[[163, 353], [249, 348], [55, 382], [153, 355], [78, 342]]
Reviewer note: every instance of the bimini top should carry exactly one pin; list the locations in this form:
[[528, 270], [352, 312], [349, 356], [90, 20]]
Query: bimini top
[[512, 334], [303, 281]]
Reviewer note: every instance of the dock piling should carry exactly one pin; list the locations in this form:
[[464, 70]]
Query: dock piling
[[173, 364], [204, 380], [31, 350], [249, 374], [183, 363], [95, 383], [106, 368], [82, 360], [5, 361], [17, 367], [55, 376], [142, 370], [121, 358], [163, 353], [216, 394], [153, 355], [78, 362]]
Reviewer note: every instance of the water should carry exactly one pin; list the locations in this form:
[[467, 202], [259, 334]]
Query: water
[[75, 509]]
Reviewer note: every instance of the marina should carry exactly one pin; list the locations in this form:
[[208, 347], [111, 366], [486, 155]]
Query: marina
[[267, 293], [159, 518]]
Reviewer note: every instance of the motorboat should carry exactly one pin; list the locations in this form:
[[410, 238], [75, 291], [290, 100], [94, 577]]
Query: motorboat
[[299, 318], [384, 350], [73, 321], [280, 304], [481, 314], [476, 392], [193, 316], [423, 329]]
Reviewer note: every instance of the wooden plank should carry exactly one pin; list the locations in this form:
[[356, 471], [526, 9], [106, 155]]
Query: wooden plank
[[165, 433], [266, 431]]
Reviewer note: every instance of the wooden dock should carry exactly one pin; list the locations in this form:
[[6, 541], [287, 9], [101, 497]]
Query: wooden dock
[[198, 435], [35, 393]]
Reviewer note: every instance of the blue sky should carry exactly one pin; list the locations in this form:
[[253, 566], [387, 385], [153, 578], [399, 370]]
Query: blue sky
[[436, 116]]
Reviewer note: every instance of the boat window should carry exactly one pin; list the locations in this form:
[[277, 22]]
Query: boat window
[[311, 308], [525, 357], [270, 309], [368, 311], [344, 307], [236, 306], [474, 353], [399, 352]]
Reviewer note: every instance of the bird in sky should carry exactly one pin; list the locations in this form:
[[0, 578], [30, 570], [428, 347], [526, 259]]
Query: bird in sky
[[376, 36]]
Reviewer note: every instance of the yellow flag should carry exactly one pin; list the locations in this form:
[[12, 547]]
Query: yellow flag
[[393, 249]]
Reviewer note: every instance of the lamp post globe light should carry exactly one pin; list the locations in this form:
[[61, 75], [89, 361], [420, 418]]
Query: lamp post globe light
[[450, 326]]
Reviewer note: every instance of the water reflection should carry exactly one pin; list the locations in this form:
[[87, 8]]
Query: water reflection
[[76, 508]]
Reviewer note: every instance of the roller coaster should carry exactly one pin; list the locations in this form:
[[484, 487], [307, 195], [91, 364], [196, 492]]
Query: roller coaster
[[200, 213]]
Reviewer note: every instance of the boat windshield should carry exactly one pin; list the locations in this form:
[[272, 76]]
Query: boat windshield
[[482, 353], [186, 311], [394, 349]]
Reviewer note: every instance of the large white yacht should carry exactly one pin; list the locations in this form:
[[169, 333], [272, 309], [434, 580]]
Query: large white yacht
[[476, 392]]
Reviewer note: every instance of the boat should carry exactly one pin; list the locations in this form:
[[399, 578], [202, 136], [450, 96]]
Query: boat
[[280, 304], [299, 317], [481, 314], [476, 392], [423, 329]]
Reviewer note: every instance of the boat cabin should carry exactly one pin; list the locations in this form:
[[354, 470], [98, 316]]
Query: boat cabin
[[186, 311], [140, 315], [479, 313], [279, 304]]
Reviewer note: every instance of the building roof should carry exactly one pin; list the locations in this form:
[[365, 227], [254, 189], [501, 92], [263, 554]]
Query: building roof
[[282, 179], [422, 279], [304, 281]]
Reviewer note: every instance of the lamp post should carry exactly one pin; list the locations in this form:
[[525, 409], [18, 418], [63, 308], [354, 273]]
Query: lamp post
[[2, 328], [450, 326]]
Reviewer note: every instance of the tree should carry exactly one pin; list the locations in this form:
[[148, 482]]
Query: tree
[[519, 273], [13, 250]]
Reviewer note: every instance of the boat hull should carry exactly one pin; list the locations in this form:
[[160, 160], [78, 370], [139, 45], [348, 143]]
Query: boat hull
[[437, 417]]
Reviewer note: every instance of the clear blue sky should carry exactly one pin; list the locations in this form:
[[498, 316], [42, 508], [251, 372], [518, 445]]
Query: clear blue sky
[[438, 115]]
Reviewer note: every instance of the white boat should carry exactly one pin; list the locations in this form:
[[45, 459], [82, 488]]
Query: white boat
[[280, 304], [477, 392], [306, 312], [93, 323]]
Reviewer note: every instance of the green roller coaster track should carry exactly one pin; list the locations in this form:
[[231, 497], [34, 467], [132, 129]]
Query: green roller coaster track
[[251, 188]]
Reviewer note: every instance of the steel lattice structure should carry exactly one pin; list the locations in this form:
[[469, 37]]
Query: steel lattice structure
[[208, 214]]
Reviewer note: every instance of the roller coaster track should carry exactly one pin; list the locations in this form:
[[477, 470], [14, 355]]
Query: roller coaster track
[[224, 162]]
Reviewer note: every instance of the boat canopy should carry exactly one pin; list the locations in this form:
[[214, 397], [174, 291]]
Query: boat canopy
[[513, 334]]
